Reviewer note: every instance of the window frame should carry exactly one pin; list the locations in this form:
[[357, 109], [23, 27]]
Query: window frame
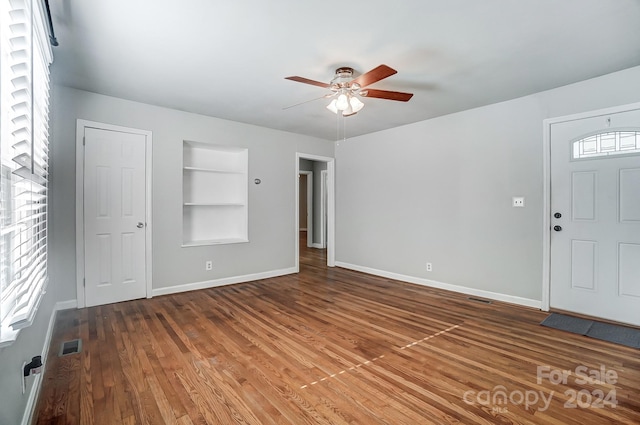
[[577, 145], [25, 57]]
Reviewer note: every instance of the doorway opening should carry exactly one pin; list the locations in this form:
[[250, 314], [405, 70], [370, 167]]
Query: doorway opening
[[314, 206]]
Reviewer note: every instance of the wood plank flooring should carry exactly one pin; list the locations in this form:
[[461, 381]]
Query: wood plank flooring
[[330, 346]]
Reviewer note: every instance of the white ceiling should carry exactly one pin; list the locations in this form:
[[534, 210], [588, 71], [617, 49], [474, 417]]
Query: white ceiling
[[228, 59]]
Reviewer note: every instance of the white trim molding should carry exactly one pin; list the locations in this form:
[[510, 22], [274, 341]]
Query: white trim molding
[[512, 299], [546, 194], [66, 305], [222, 282]]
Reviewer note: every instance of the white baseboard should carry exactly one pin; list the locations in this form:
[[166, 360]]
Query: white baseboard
[[60, 305], [33, 399], [221, 282], [37, 383], [446, 286], [317, 246], [66, 305]]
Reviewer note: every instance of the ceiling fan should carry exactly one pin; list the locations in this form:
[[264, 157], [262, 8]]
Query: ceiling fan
[[345, 89]]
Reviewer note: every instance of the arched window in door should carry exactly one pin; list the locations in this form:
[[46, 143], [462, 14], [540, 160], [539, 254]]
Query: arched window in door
[[607, 144]]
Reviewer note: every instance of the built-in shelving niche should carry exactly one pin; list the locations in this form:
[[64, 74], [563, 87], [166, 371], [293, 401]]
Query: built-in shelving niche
[[214, 194]]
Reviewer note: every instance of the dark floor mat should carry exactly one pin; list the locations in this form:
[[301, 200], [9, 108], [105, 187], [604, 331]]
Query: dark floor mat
[[617, 334], [613, 333], [568, 323]]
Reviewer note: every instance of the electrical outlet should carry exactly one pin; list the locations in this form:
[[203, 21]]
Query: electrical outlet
[[518, 201], [429, 267], [208, 265]]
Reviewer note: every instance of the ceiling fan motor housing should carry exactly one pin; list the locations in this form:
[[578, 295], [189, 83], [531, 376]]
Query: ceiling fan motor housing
[[342, 80]]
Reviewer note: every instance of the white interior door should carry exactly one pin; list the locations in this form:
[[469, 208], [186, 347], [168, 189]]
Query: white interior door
[[595, 208], [114, 216]]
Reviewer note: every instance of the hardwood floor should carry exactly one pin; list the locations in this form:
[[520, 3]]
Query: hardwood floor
[[330, 346]]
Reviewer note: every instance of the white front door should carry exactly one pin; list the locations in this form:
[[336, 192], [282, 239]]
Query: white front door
[[114, 216], [595, 216]]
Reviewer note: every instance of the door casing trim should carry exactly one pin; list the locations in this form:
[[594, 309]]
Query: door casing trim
[[546, 192], [80, 127], [323, 208]]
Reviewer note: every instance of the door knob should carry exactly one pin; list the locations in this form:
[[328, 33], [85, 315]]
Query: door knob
[[140, 225], [557, 215], [557, 228]]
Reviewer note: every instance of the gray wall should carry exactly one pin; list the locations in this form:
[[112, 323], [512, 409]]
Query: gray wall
[[271, 204], [306, 165], [271, 209], [441, 191]]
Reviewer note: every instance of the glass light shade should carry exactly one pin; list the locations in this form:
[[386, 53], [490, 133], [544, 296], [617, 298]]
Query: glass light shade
[[342, 103], [349, 111], [356, 104], [332, 106]]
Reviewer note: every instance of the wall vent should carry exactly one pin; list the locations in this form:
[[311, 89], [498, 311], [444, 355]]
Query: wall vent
[[479, 300], [70, 347]]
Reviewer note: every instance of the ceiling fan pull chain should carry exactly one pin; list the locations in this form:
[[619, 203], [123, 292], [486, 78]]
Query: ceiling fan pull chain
[[344, 128]]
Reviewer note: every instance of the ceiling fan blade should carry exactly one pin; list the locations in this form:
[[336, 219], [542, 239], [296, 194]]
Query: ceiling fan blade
[[376, 74], [310, 100], [307, 81], [386, 94]]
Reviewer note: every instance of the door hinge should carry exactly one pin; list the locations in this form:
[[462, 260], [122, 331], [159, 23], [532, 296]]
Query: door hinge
[[84, 140], [84, 282]]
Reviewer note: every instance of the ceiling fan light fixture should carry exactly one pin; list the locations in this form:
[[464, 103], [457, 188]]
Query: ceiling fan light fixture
[[343, 102], [348, 112], [346, 104], [332, 106], [356, 104]]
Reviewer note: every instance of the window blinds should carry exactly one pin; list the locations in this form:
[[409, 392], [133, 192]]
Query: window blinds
[[24, 78]]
